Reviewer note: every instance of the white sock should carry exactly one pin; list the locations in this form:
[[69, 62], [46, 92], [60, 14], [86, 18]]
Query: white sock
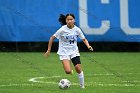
[[81, 79]]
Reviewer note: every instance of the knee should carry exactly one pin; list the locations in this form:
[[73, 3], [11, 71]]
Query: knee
[[68, 71], [78, 68]]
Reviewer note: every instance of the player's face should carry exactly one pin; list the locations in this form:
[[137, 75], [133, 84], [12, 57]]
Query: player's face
[[70, 21]]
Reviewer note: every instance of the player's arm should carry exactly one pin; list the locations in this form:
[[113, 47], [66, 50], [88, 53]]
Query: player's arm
[[49, 46], [87, 44]]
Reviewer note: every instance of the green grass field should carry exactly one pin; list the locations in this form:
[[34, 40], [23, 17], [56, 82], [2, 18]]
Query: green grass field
[[104, 73]]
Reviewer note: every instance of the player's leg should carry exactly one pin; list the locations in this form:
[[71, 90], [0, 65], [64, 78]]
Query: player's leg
[[77, 64], [66, 64]]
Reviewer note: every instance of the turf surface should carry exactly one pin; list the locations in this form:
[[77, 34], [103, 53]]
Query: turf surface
[[104, 73]]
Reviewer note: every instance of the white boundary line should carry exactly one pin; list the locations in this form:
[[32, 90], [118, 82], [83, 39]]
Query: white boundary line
[[38, 80], [108, 74], [12, 85], [88, 84]]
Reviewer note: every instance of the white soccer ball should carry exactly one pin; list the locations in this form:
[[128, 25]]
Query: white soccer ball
[[64, 84]]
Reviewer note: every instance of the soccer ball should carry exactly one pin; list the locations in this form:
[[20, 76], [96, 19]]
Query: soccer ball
[[64, 84]]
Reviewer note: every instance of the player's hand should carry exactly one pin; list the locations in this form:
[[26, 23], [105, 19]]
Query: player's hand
[[90, 48], [47, 54]]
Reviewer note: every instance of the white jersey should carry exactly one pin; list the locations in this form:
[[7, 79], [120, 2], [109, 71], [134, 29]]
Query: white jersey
[[68, 39]]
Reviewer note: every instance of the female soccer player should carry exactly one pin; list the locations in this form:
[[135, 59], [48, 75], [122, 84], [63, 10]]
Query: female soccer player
[[68, 49]]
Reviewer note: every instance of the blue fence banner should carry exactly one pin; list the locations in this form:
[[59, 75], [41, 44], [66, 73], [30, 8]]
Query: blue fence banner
[[100, 20]]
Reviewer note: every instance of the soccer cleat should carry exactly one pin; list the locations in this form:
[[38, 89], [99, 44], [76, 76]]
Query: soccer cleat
[[82, 86]]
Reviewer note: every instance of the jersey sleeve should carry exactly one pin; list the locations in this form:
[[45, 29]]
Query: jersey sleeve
[[57, 34], [80, 34]]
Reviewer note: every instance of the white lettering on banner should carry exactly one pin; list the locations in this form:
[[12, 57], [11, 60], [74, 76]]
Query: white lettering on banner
[[105, 24], [105, 1], [125, 19]]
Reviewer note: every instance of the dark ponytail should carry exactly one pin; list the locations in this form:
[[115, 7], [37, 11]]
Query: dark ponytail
[[62, 19]]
